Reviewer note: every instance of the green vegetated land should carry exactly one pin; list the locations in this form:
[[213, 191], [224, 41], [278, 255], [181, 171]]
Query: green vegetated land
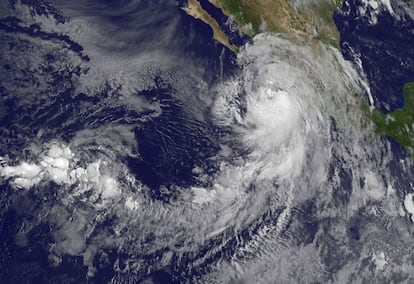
[[302, 22], [399, 124], [309, 20]]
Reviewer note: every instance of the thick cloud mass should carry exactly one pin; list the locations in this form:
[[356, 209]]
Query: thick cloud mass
[[284, 181]]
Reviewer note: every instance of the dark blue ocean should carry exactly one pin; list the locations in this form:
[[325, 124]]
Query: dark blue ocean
[[123, 29], [384, 48], [40, 70]]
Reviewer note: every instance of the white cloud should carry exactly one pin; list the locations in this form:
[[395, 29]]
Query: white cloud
[[373, 8], [281, 119], [409, 205], [57, 165], [25, 170], [26, 175]]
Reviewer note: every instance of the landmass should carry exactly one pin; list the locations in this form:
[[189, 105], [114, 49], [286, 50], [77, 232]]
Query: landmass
[[399, 124], [300, 21], [195, 10], [304, 22]]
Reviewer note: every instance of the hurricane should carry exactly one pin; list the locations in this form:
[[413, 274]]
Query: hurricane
[[150, 168]]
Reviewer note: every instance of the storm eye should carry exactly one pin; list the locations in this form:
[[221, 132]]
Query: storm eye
[[354, 233]]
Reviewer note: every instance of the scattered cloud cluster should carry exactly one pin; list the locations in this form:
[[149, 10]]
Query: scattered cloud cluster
[[58, 164], [372, 8]]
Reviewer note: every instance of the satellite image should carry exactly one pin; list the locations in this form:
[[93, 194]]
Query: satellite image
[[206, 141]]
